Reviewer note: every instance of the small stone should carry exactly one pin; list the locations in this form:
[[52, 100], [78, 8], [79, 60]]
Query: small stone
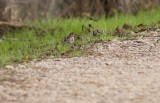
[[21, 66], [93, 95], [158, 30], [9, 67], [114, 40]]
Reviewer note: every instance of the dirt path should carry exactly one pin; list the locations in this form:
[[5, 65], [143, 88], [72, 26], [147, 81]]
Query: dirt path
[[117, 72]]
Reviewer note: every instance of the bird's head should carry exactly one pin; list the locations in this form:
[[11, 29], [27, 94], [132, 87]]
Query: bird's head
[[71, 37]]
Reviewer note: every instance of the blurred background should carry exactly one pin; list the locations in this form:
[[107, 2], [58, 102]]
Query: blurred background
[[26, 10]]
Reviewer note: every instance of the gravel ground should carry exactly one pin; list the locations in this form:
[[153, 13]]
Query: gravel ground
[[116, 72]]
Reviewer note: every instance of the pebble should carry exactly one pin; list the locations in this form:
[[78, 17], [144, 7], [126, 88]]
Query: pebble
[[9, 67]]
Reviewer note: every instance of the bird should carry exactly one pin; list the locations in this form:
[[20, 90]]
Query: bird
[[119, 31], [71, 38]]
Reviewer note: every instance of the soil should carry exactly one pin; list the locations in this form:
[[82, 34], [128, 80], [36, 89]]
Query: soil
[[116, 72]]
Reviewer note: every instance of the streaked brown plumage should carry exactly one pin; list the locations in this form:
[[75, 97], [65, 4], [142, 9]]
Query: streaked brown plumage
[[71, 38], [119, 32]]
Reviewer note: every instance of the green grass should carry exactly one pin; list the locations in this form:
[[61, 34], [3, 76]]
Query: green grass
[[39, 47]]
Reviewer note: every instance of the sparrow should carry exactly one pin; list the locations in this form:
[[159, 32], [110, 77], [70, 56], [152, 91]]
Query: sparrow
[[71, 38], [119, 31]]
